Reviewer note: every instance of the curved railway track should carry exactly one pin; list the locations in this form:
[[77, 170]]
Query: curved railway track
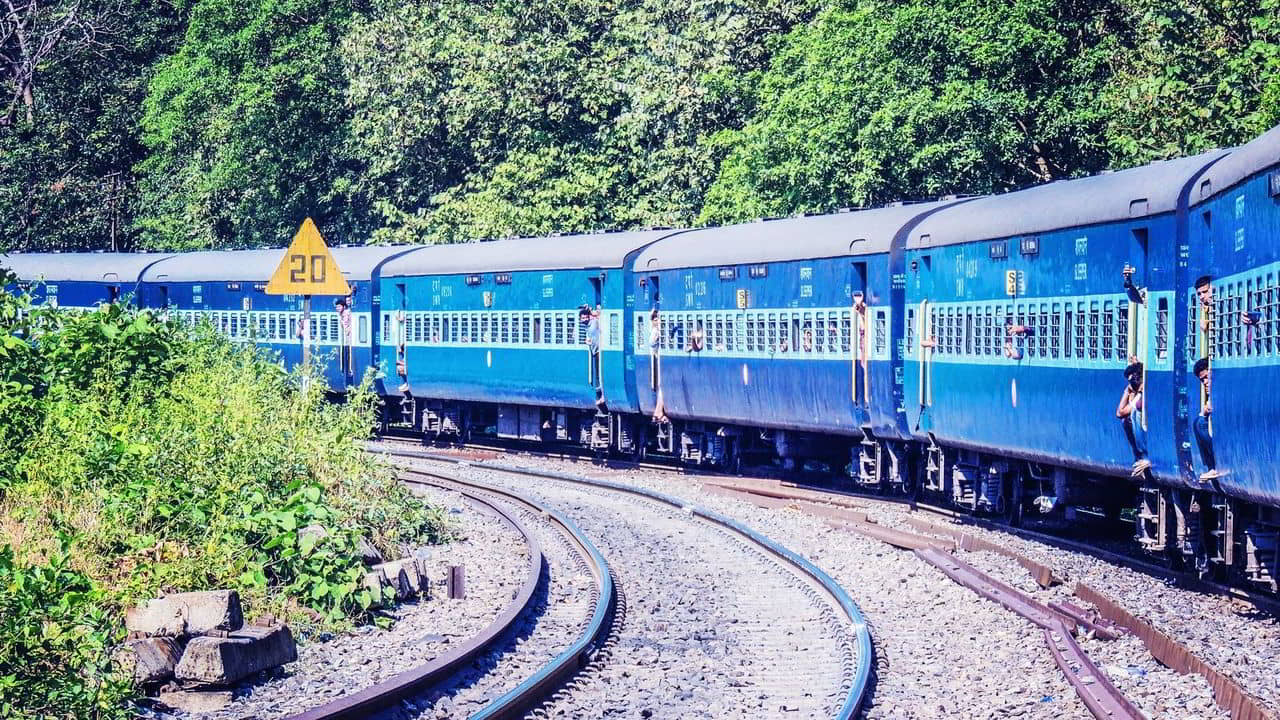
[[434, 676], [848, 511], [850, 631], [784, 487]]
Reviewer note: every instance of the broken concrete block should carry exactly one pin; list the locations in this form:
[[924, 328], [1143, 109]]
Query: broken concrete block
[[369, 554], [156, 618], [403, 576], [222, 661], [189, 613], [195, 702], [149, 660]]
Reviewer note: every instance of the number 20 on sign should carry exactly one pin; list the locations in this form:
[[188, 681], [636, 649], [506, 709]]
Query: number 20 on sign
[[307, 268]]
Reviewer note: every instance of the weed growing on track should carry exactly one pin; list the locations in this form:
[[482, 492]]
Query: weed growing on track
[[139, 455]]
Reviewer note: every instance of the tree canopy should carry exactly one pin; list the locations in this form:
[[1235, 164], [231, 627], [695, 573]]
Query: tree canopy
[[212, 123]]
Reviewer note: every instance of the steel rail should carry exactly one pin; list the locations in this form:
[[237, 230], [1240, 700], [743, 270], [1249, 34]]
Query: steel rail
[[422, 678], [837, 595], [556, 672]]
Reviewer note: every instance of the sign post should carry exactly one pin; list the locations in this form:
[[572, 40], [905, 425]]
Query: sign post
[[307, 269]]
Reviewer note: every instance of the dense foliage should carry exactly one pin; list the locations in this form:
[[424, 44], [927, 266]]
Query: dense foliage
[[141, 455], [200, 123]]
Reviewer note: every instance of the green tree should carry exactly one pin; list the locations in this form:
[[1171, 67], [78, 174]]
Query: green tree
[[66, 159], [890, 101], [482, 120], [1199, 75], [244, 126]]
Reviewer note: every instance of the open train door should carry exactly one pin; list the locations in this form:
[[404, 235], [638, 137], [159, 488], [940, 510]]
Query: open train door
[[925, 343], [1153, 510], [860, 365]]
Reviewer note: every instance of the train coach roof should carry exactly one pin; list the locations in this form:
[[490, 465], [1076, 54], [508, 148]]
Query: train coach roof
[[1111, 197], [79, 267], [597, 250], [859, 232], [1245, 161], [357, 263]]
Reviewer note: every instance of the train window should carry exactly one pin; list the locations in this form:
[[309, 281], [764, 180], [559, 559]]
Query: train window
[[761, 328], [1068, 332], [751, 332], [739, 332], [1081, 330], [1108, 330], [1256, 303], [272, 326], [386, 326], [547, 328], [771, 339], [845, 332], [488, 327], [1094, 319], [806, 333], [559, 329], [957, 322], [1162, 329], [1122, 331], [504, 328], [882, 332], [1269, 315], [1055, 331], [785, 338], [470, 327], [820, 332], [1042, 330], [615, 329], [720, 340], [313, 329], [362, 328], [911, 331], [582, 329]]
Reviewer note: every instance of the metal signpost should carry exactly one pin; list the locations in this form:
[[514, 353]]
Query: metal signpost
[[307, 269]]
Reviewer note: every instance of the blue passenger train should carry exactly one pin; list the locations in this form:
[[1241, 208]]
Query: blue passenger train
[[1085, 344]]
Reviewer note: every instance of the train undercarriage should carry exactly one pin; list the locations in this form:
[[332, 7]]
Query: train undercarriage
[[1203, 533]]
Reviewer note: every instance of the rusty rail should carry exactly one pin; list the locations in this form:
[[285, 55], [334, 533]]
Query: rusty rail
[[1226, 691]]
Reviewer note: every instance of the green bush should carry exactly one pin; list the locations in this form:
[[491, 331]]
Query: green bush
[[55, 641], [142, 456]]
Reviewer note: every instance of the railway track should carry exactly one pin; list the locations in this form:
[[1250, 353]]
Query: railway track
[[821, 490], [944, 527], [758, 629], [506, 645]]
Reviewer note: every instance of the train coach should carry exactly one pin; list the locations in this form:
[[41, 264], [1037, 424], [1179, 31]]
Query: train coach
[[776, 337], [228, 288], [1227, 361], [79, 280], [522, 338]]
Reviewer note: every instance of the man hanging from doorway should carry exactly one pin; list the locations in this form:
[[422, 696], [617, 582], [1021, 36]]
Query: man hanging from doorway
[[1129, 411], [345, 361], [591, 319], [1202, 371], [655, 372], [1204, 436]]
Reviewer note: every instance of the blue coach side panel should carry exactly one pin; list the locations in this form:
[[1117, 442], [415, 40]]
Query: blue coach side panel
[[228, 289], [79, 280], [497, 322], [782, 342], [1234, 239], [1047, 262]]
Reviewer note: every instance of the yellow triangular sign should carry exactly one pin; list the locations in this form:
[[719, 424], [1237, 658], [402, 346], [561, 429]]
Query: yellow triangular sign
[[308, 268]]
